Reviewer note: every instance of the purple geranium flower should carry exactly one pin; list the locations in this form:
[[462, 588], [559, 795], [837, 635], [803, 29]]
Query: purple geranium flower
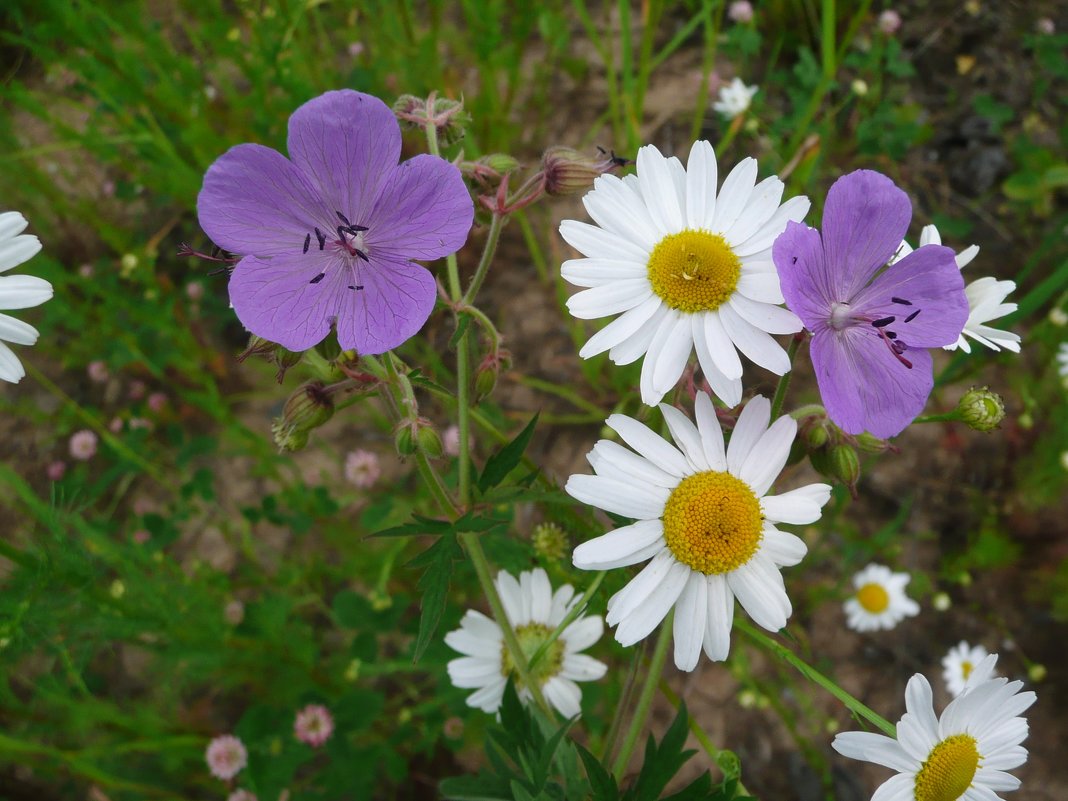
[[328, 235], [870, 329]]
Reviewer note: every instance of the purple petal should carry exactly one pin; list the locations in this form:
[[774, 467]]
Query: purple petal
[[275, 299], [864, 220], [423, 212], [806, 284], [863, 386], [931, 283], [396, 300], [347, 143], [255, 201]]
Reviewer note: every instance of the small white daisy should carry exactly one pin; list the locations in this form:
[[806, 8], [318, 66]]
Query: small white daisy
[[986, 300], [684, 269], [958, 664], [961, 755], [734, 98], [705, 521], [879, 601], [534, 611], [17, 291]]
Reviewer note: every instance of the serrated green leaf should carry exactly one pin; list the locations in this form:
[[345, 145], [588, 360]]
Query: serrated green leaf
[[505, 460], [601, 781], [434, 584]]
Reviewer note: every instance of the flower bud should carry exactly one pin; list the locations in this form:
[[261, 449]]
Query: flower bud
[[941, 601], [859, 87], [500, 163], [488, 370], [870, 444], [816, 435], [569, 172], [981, 409], [449, 117], [403, 441], [429, 442], [1036, 672], [845, 465], [550, 542], [309, 407]]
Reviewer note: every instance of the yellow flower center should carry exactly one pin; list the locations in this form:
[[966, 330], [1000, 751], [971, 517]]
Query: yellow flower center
[[966, 669], [531, 636], [874, 598], [694, 271], [949, 769], [712, 522]]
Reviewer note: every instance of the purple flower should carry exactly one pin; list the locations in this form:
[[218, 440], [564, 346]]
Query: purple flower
[[871, 326], [328, 235]]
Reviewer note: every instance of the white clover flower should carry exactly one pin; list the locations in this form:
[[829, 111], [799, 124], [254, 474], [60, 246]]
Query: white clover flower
[[958, 664], [734, 98], [704, 519], [879, 601], [986, 298], [17, 292], [963, 754], [685, 269], [534, 611]]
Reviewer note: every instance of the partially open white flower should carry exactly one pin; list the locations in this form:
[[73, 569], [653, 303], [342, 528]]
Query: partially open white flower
[[734, 98], [704, 519], [986, 298], [961, 755], [17, 291], [534, 611], [686, 268], [879, 601], [958, 664]]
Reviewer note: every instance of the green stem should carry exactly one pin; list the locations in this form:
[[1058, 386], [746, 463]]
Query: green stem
[[569, 618], [488, 252], [827, 39], [487, 325], [784, 381], [945, 417], [816, 677], [477, 556], [645, 699], [625, 694]]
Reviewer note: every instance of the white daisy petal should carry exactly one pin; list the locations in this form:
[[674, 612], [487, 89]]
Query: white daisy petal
[[897, 788], [658, 190], [710, 432], [719, 344], [783, 548], [872, 747], [564, 695], [563, 599], [733, 195], [635, 346], [467, 642], [640, 622], [627, 499], [597, 272], [666, 358], [689, 624], [762, 204], [16, 331], [617, 208], [607, 299], [23, 291], [635, 592], [489, 698], [761, 287], [622, 328], [18, 250], [700, 185], [759, 588], [621, 547], [772, 319], [17, 292], [11, 368], [654, 448], [793, 210], [754, 343], [686, 437], [581, 634], [801, 506], [580, 667], [612, 460], [720, 618], [589, 240], [769, 455], [751, 425], [541, 596]]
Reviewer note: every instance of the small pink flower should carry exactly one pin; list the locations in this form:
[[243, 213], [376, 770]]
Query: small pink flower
[[141, 536], [98, 372], [889, 22], [194, 290], [234, 612], [313, 725], [1045, 26], [226, 757], [56, 470], [86, 271], [142, 505], [450, 440], [107, 189], [740, 11], [157, 401], [362, 468], [137, 390], [140, 422], [83, 445], [115, 426], [355, 49], [241, 795]]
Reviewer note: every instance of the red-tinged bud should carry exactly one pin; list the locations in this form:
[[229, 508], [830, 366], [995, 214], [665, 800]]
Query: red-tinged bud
[[309, 407], [568, 172]]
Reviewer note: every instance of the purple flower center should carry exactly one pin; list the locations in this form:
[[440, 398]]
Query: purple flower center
[[348, 242], [842, 317]]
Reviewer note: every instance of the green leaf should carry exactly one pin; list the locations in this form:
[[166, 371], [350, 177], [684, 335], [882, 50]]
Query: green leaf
[[601, 781], [434, 585], [463, 322], [662, 762], [505, 460]]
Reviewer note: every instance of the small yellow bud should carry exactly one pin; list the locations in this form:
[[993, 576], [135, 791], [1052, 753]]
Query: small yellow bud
[[117, 589], [981, 409], [1036, 672]]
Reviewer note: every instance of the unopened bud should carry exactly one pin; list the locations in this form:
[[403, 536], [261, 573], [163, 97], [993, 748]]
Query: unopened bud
[[1036, 672], [845, 465], [816, 435], [309, 407], [449, 117], [500, 163], [981, 409], [271, 351], [941, 601], [403, 441], [550, 542], [569, 172], [870, 444], [429, 442], [488, 370], [859, 87]]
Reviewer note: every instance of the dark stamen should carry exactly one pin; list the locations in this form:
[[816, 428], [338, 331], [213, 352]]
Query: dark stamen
[[307, 242], [317, 278], [362, 255], [884, 321], [341, 232], [896, 348], [356, 229], [342, 217], [912, 316], [901, 301], [793, 260], [358, 286], [321, 238], [891, 335]]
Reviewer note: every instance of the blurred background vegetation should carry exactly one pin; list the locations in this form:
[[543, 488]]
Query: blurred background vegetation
[[189, 580]]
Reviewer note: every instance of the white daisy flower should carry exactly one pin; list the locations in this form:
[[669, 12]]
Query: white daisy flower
[[961, 755], [17, 291], [704, 520], [685, 269], [734, 98], [959, 663], [879, 601], [986, 300], [534, 611]]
